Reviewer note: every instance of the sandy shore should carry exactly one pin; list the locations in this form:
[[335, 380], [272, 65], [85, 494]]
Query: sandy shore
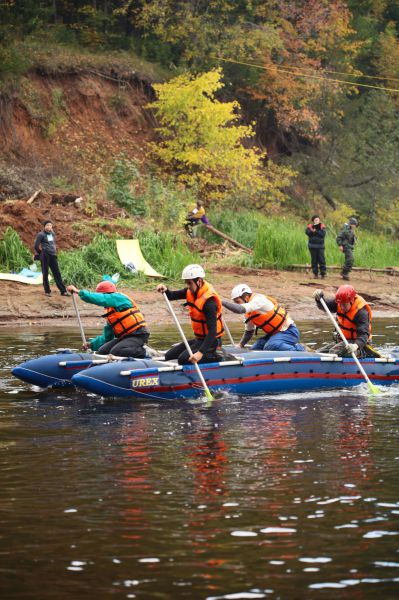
[[22, 305]]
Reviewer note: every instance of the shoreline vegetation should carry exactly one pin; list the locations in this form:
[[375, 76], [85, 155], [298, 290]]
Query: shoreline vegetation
[[264, 148], [278, 243]]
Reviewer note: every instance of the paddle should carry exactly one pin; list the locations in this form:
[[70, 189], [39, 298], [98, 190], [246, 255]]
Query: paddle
[[373, 389], [228, 333], [82, 333], [190, 352]]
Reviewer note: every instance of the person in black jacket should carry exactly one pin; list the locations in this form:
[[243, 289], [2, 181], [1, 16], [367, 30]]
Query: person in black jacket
[[46, 251], [316, 232]]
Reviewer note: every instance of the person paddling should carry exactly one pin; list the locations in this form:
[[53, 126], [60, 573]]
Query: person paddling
[[205, 309], [265, 313], [354, 318], [126, 331]]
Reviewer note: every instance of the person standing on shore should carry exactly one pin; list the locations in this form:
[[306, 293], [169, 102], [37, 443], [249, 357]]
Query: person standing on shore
[[316, 232], [346, 240], [46, 251]]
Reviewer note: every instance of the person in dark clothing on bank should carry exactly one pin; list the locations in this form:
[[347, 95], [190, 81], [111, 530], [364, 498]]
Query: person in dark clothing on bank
[[46, 251], [346, 240], [316, 232], [354, 318], [205, 309]]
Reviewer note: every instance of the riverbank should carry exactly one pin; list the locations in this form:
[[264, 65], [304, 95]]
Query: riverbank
[[22, 305]]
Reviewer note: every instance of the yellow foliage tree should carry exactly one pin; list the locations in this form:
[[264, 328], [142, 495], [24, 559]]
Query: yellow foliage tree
[[202, 140]]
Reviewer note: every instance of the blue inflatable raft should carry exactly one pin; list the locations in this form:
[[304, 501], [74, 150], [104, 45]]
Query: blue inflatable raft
[[252, 373], [57, 369]]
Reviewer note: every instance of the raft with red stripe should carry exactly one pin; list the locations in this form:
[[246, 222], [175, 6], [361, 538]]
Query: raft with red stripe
[[252, 373]]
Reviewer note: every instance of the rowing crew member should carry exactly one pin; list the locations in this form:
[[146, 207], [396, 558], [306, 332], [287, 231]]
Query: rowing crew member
[[205, 309], [126, 331], [354, 318], [264, 312]]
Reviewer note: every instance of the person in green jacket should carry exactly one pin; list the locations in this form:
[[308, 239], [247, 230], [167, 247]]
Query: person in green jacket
[[346, 240], [126, 331]]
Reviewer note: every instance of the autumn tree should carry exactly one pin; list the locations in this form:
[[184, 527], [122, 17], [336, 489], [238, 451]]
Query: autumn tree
[[202, 140]]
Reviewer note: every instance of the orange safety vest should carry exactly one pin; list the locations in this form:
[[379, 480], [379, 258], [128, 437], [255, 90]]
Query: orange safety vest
[[272, 321], [126, 321], [195, 308], [346, 320]]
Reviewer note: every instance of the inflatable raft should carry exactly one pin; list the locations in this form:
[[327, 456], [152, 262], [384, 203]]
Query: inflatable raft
[[252, 373], [57, 369]]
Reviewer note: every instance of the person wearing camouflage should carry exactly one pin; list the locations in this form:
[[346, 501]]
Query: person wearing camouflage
[[346, 240]]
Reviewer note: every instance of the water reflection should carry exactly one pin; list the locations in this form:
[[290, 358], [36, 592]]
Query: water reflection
[[292, 496]]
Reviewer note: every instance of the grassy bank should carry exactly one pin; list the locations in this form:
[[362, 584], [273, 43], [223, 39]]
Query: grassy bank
[[277, 243], [166, 252], [281, 242]]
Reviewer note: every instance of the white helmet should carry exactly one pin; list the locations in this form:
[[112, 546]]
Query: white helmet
[[239, 290], [192, 272]]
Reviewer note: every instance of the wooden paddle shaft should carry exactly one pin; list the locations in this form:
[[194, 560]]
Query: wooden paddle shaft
[[82, 333], [190, 352], [338, 329]]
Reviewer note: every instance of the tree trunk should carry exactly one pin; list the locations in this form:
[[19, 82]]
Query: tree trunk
[[228, 238]]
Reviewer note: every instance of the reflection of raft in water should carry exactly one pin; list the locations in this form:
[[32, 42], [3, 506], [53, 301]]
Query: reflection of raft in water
[[252, 373]]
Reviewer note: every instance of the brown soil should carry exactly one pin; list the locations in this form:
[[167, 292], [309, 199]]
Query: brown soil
[[22, 305], [74, 225]]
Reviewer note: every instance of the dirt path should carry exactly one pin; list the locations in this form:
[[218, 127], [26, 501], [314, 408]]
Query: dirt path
[[22, 305]]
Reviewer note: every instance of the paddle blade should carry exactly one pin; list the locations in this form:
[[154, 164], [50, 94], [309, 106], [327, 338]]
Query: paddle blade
[[373, 389], [208, 394]]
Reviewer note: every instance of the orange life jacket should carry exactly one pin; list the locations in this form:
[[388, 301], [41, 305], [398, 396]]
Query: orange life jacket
[[195, 308], [346, 320], [126, 321], [270, 322]]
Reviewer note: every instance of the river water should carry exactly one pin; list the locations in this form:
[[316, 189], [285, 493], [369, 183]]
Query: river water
[[290, 497]]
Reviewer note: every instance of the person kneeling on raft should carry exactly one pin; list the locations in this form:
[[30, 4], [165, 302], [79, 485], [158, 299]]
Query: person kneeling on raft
[[125, 332], [354, 318], [264, 312], [205, 309]]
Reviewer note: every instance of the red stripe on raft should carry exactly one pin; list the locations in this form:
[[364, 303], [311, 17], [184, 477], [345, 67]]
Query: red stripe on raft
[[283, 376]]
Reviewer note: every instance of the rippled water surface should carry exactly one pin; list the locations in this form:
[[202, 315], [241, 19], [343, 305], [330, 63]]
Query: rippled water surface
[[293, 496]]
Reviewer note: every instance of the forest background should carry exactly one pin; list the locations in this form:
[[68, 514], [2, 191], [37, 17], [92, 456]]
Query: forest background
[[268, 110]]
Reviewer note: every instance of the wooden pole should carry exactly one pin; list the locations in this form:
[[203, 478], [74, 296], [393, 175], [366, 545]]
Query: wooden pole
[[228, 238]]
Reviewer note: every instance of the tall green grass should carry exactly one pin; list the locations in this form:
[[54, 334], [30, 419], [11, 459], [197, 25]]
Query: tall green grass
[[281, 242], [14, 255], [167, 253], [85, 267]]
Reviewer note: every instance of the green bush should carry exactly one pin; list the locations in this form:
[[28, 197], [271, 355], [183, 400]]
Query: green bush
[[13, 64], [14, 255], [122, 187]]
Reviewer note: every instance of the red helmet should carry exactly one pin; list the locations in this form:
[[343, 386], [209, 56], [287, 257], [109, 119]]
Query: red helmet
[[106, 287], [345, 293]]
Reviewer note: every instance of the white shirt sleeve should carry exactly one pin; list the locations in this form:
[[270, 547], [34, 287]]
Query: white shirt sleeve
[[260, 303]]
